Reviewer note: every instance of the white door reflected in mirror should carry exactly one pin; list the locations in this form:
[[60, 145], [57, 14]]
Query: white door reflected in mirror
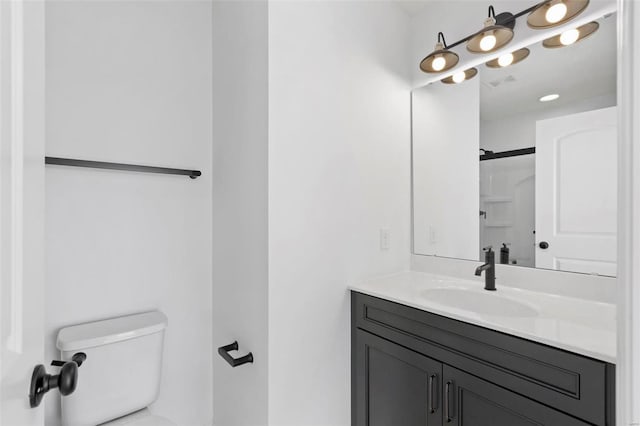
[[576, 169]]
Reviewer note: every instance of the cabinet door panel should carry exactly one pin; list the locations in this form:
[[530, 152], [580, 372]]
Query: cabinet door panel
[[394, 386], [470, 401]]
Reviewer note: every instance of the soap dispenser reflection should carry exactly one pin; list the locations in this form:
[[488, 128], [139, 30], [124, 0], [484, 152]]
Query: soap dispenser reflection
[[504, 254]]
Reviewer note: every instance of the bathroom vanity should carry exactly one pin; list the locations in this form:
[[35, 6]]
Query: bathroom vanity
[[497, 167], [428, 350], [521, 160]]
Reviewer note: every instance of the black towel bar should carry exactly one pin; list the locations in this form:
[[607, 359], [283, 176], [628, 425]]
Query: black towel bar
[[120, 166], [234, 362]]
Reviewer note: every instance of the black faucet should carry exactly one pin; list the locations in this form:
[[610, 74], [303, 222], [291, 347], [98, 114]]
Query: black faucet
[[489, 269]]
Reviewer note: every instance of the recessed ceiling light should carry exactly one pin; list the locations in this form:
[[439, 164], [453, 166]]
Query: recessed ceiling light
[[549, 98]]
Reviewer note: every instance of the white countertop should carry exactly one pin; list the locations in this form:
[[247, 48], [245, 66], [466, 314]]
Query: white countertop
[[576, 325]]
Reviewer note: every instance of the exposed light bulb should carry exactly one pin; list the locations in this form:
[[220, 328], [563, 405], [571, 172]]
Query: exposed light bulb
[[505, 60], [569, 37], [488, 42], [459, 77], [438, 63], [556, 13], [548, 98]]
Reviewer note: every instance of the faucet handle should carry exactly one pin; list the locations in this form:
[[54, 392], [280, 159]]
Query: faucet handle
[[488, 249]]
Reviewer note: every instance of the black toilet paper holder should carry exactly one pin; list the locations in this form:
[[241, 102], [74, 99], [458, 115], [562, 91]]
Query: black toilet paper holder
[[234, 362]]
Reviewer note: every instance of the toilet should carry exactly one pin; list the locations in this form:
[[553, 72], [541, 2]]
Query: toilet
[[121, 375]]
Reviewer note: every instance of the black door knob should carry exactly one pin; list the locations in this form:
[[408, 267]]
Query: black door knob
[[66, 382], [543, 245], [68, 378]]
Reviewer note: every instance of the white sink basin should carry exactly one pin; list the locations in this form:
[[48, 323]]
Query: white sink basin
[[484, 303]]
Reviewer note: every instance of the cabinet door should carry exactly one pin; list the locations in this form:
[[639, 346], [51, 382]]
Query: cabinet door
[[393, 385], [470, 401]]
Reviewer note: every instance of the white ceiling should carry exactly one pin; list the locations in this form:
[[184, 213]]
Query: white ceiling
[[582, 71], [412, 7]]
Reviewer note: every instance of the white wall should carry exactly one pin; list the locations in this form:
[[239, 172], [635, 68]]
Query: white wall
[[131, 82], [338, 172], [240, 277], [445, 169]]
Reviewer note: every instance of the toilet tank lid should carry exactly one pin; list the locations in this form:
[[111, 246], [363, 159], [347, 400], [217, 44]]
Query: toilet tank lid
[[112, 330]]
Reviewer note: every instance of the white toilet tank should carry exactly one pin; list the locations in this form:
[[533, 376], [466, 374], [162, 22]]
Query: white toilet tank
[[123, 367]]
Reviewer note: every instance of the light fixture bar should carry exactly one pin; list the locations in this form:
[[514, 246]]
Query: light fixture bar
[[595, 12], [506, 22]]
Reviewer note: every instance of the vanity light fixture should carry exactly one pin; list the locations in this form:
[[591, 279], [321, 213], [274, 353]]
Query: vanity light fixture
[[571, 36], [552, 13], [509, 58], [549, 98], [461, 76], [497, 33], [441, 59]]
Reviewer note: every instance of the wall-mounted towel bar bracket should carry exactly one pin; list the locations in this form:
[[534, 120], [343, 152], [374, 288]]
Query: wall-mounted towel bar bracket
[[120, 166], [234, 362]]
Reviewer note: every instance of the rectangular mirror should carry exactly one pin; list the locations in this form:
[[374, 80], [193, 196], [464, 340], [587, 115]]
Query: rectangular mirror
[[522, 159]]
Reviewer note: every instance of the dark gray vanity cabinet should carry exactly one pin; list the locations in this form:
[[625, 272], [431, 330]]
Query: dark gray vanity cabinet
[[411, 367], [471, 401], [402, 387]]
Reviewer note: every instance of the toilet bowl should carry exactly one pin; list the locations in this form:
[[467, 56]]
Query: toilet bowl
[[121, 374], [143, 417]]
